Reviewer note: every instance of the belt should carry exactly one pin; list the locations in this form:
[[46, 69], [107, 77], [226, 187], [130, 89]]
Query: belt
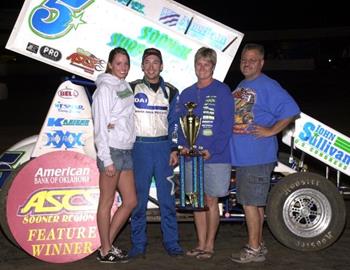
[[152, 139]]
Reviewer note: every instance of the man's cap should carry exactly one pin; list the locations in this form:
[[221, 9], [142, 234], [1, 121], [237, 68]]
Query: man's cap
[[152, 51]]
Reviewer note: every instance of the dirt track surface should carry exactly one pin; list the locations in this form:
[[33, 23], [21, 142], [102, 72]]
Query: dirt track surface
[[230, 238]]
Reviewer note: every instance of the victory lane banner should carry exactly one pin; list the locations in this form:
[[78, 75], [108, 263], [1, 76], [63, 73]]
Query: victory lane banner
[[77, 36], [51, 207]]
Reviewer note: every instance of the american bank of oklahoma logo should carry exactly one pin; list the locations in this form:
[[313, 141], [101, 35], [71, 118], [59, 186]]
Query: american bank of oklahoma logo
[[54, 19]]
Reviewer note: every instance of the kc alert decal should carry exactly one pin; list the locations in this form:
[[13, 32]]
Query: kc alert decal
[[51, 207]]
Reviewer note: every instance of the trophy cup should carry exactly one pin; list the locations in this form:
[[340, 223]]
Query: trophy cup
[[190, 125]]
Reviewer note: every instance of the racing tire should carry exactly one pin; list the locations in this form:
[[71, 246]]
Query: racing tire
[[305, 212], [3, 203]]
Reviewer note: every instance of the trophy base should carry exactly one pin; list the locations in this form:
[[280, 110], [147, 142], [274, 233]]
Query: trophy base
[[191, 208]]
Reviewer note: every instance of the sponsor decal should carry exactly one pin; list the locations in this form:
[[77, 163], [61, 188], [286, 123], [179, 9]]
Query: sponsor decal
[[60, 122], [326, 144], [87, 61], [152, 37], [50, 53], [68, 93], [164, 41], [52, 204], [169, 17], [32, 47], [135, 5], [141, 102], [59, 139], [202, 32], [133, 47], [193, 26], [69, 108]]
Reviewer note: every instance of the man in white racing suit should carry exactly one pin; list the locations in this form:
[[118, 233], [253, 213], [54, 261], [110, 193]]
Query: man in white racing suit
[[154, 154]]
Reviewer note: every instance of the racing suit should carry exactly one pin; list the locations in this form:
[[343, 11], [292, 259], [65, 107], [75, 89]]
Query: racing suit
[[155, 118]]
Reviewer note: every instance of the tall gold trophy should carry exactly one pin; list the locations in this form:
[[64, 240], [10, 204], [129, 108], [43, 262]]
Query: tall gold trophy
[[190, 125]]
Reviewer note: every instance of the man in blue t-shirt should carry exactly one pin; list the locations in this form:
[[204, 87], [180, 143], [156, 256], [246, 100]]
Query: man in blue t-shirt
[[262, 110]]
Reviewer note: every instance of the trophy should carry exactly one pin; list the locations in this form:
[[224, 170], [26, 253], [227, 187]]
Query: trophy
[[190, 125]]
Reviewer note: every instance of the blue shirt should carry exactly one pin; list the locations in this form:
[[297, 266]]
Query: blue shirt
[[215, 108], [263, 102]]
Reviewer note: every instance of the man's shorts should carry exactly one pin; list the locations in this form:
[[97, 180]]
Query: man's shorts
[[253, 184], [217, 178], [122, 160]]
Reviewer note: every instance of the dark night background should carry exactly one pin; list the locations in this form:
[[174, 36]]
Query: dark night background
[[307, 46], [307, 51]]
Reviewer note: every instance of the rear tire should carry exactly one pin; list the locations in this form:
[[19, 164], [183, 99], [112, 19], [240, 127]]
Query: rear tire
[[305, 212], [3, 204]]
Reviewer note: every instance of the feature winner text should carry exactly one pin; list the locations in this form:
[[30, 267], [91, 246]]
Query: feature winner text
[[62, 241]]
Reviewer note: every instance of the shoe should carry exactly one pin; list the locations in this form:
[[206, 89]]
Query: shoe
[[110, 257], [263, 248], [205, 255], [122, 255], [119, 252], [247, 255], [175, 251], [194, 252], [135, 253]]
